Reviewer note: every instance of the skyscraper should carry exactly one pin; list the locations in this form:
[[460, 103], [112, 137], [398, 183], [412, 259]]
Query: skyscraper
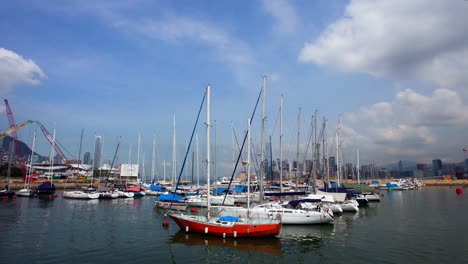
[[97, 152], [437, 167], [87, 158]]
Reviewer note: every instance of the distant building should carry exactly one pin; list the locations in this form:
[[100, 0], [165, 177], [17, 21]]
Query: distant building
[[421, 167], [87, 158], [400, 166], [97, 152], [437, 167]]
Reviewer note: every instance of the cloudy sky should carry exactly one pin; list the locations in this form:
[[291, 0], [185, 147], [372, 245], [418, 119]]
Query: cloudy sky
[[394, 70]]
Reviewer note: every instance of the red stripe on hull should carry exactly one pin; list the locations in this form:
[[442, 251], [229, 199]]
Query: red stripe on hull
[[236, 230]]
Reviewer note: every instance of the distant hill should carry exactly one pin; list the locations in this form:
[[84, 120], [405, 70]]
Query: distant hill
[[25, 150]]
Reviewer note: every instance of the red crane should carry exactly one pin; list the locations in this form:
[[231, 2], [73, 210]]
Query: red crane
[[51, 141], [14, 135]]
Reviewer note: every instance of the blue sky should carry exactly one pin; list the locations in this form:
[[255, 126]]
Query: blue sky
[[394, 70]]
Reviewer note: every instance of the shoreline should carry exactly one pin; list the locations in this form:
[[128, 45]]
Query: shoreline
[[18, 184]]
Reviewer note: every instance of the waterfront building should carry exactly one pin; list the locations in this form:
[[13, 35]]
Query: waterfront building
[[437, 167], [97, 152]]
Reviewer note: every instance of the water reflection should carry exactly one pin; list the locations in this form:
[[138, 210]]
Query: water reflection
[[305, 238], [270, 245]]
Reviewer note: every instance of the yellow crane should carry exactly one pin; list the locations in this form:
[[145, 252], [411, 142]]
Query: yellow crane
[[13, 129]]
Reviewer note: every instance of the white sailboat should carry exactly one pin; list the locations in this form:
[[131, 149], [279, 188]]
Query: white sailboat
[[26, 191]]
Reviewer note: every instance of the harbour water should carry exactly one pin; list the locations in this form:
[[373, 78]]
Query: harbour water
[[420, 226]]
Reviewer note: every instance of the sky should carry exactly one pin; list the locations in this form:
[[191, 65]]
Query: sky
[[394, 70]]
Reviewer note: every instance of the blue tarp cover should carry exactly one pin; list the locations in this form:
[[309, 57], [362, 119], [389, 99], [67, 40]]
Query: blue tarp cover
[[220, 191], [157, 188], [240, 189], [169, 197], [228, 218]]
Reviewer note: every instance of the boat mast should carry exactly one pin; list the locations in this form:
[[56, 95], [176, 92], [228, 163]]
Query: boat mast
[[357, 167], [314, 162], [138, 158], [262, 141], [29, 174], [297, 148], [198, 161], [248, 165], [153, 156], [280, 166], [51, 158], [325, 153], [174, 177], [208, 88]]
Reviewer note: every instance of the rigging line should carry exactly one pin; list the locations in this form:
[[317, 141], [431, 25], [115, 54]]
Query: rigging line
[[255, 154], [243, 143], [188, 150], [113, 160], [309, 138], [238, 147]]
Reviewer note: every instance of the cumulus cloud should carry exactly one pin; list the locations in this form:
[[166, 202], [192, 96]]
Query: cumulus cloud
[[443, 108], [419, 39], [15, 70], [284, 14], [409, 125]]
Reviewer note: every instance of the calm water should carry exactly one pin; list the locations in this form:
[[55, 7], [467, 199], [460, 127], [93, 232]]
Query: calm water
[[423, 226]]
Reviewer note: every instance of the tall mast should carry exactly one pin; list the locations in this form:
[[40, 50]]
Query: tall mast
[[29, 174], [174, 177], [325, 152], [208, 88], [215, 146], [248, 164], [153, 156], [262, 140], [79, 153], [338, 151], [297, 148], [138, 156], [357, 167], [314, 162], [281, 144], [198, 161]]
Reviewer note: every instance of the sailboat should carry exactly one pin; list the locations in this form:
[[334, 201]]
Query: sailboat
[[288, 215], [77, 194], [47, 189], [26, 191], [225, 226]]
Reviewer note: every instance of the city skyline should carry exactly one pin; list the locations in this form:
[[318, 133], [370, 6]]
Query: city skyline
[[393, 71]]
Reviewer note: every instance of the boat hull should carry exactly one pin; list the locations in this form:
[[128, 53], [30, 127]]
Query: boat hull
[[169, 205], [80, 195], [199, 225], [25, 193]]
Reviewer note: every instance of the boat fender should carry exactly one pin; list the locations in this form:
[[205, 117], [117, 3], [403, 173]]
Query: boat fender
[[206, 230]]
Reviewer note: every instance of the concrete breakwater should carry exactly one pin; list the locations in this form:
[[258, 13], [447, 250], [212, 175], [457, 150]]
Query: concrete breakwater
[[15, 185]]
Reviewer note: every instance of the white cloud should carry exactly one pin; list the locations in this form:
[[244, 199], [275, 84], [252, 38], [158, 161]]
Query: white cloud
[[15, 70], [412, 125], [419, 39], [284, 14]]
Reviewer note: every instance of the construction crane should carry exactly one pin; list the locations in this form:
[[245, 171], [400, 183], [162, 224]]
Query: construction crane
[[12, 130], [54, 144], [14, 135]]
